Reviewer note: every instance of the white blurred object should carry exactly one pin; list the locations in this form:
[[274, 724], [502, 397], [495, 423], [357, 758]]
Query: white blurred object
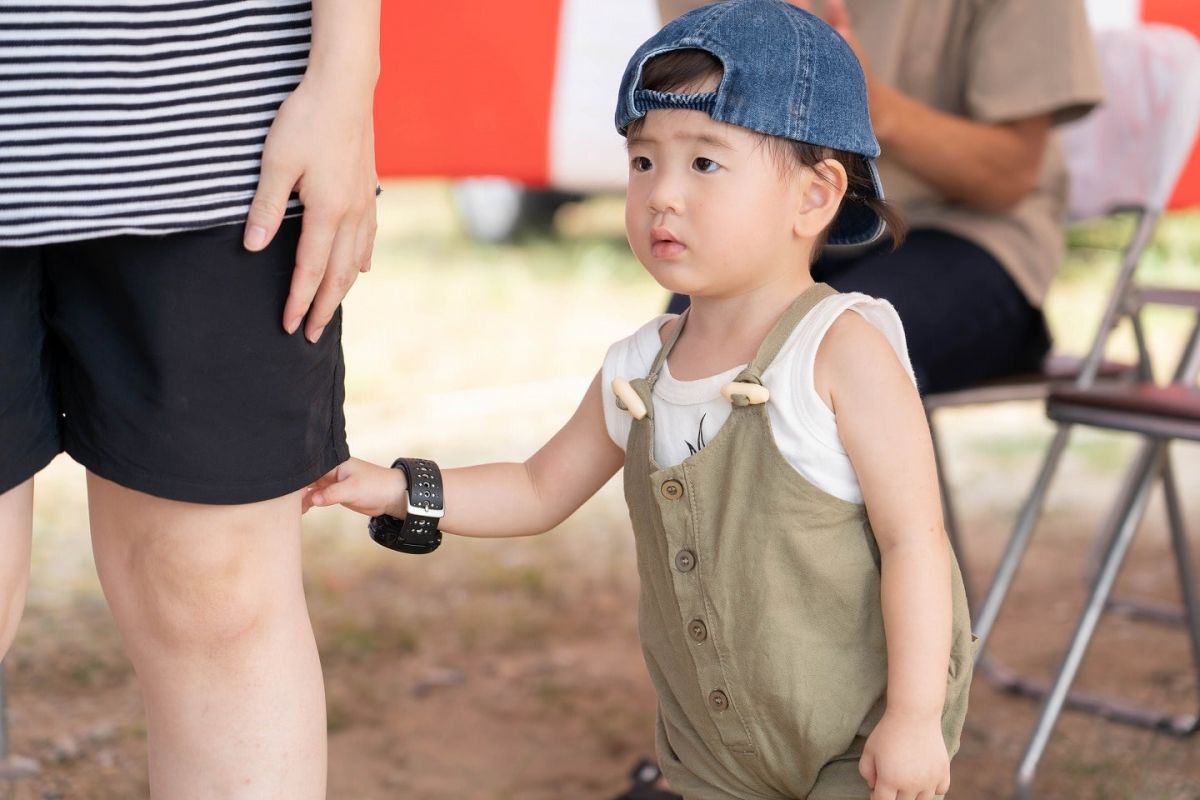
[[1113, 13], [596, 40], [498, 210], [490, 208], [1130, 151]]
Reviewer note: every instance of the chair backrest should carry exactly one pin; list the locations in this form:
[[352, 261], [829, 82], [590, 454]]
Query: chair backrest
[[1130, 151]]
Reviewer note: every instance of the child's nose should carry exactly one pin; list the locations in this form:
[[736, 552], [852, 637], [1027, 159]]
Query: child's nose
[[666, 196]]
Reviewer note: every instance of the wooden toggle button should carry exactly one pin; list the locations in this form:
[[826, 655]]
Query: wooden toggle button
[[754, 393], [628, 399]]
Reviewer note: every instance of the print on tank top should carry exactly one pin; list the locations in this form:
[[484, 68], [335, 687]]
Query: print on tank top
[[699, 445]]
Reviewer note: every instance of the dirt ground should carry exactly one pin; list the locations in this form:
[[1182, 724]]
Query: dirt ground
[[511, 670], [525, 681]]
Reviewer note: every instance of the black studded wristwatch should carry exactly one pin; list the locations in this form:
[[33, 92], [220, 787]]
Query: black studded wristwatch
[[418, 531]]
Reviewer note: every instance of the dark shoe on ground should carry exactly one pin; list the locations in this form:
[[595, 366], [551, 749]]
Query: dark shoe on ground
[[645, 778]]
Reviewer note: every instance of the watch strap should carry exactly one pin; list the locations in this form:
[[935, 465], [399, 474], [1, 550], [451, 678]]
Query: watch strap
[[424, 485], [417, 532]]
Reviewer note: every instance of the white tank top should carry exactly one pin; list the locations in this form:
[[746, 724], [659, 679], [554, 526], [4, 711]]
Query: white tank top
[[688, 414]]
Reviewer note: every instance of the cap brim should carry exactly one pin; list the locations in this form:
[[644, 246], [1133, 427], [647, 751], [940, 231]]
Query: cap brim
[[856, 223]]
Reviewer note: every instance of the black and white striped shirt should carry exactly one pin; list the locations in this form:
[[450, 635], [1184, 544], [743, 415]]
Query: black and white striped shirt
[[139, 116]]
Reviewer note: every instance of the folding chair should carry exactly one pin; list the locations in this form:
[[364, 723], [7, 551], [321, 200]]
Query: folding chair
[[1160, 70], [1126, 156], [1160, 414], [1093, 195]]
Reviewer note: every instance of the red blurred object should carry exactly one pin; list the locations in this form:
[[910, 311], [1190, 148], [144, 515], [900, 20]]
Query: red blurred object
[[465, 89], [1184, 14]]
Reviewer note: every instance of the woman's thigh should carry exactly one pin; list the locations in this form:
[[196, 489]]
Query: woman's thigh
[[192, 579]]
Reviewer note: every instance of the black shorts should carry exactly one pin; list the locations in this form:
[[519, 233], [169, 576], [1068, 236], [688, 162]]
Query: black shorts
[[160, 363]]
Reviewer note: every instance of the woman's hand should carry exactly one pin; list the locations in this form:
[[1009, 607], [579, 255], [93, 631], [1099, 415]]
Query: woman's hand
[[905, 759], [360, 486], [321, 144]]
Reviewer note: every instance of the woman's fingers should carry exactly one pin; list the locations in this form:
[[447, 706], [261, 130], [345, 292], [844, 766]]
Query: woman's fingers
[[364, 245], [317, 233], [275, 184], [341, 270]]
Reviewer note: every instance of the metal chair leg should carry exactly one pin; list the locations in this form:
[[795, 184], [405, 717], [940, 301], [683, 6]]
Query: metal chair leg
[[1116, 710], [1100, 546], [1018, 542], [949, 517], [1184, 566], [11, 767], [1149, 463], [1162, 613]]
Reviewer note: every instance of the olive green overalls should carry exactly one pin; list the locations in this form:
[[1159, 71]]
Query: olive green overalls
[[760, 611]]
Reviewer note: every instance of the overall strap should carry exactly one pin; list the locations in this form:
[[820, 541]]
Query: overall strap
[[644, 387], [666, 349], [779, 334]]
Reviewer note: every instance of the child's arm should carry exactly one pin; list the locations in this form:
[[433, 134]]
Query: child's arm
[[496, 499], [882, 425]]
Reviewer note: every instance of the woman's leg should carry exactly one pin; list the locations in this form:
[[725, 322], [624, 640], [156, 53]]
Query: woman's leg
[[16, 529], [28, 422], [209, 602], [199, 419]]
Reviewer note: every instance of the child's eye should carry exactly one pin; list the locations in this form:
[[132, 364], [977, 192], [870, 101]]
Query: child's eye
[[705, 165], [640, 163]]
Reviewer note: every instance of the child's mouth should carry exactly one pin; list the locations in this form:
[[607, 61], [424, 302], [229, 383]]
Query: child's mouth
[[665, 245]]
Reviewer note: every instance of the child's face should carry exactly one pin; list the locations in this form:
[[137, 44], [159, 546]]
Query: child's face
[[708, 212]]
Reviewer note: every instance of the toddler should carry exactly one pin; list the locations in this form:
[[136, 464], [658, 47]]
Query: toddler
[[802, 617]]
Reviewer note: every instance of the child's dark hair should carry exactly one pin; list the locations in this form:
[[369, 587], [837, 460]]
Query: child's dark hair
[[682, 70]]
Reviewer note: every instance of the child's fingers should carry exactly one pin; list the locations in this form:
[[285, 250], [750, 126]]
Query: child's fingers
[[307, 493], [321, 498], [882, 792], [343, 492], [866, 768], [333, 476], [357, 485]]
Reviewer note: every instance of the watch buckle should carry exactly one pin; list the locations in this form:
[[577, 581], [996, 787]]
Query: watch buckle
[[426, 511]]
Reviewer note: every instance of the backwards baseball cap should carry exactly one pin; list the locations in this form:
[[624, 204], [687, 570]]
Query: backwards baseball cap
[[786, 73]]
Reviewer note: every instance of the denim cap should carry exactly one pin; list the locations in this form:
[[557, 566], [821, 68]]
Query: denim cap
[[786, 73]]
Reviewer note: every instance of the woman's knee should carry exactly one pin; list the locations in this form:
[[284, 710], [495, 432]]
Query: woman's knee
[[208, 597], [197, 578]]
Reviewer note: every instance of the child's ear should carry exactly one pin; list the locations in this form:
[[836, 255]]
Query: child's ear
[[822, 189]]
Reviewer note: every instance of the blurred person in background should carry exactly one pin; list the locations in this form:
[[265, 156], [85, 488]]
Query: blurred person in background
[[964, 98], [188, 191]]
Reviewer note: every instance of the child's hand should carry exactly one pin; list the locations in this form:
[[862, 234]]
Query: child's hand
[[906, 759], [360, 486]]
